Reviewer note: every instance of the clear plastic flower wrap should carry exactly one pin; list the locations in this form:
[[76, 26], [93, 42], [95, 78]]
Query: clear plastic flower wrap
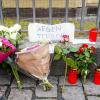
[[36, 60]]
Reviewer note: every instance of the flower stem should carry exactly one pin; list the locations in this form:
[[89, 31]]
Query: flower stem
[[47, 85], [15, 72], [64, 78]]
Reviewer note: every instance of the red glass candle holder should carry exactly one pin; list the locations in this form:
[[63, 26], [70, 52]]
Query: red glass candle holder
[[72, 76], [93, 35], [96, 78]]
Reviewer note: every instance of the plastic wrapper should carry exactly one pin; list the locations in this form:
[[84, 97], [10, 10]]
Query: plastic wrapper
[[35, 60]]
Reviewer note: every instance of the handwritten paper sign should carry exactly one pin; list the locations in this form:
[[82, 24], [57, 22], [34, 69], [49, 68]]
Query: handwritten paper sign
[[43, 32]]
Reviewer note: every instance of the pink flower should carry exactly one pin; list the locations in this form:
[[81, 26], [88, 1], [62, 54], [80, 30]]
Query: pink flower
[[7, 43], [0, 38], [66, 38], [62, 40]]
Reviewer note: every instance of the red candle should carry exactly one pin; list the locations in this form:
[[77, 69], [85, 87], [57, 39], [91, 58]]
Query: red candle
[[72, 76], [96, 78], [93, 35]]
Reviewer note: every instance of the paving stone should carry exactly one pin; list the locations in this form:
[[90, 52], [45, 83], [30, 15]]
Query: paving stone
[[16, 94], [3, 72], [41, 93], [73, 93], [61, 82], [93, 98], [26, 82], [57, 68], [92, 88], [2, 90], [53, 80], [5, 79], [46, 99]]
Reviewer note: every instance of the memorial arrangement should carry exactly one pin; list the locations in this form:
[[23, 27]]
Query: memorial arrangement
[[35, 60]]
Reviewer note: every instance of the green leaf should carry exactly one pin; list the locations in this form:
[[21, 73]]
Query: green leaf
[[76, 55], [87, 58], [57, 57], [73, 49], [71, 62], [81, 57], [64, 58], [65, 51], [58, 50], [87, 54]]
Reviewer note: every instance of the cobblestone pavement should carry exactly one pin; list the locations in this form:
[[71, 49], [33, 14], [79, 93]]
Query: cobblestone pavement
[[32, 91]]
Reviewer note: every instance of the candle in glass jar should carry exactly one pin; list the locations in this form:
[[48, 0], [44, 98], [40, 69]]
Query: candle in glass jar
[[93, 35]]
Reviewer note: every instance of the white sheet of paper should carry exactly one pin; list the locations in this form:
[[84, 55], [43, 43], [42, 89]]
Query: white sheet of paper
[[45, 32]]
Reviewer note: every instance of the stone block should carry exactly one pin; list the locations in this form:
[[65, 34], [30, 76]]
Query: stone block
[[26, 82], [73, 93], [46, 99], [93, 98], [2, 90], [53, 80], [5, 79], [16, 94], [51, 93], [91, 88]]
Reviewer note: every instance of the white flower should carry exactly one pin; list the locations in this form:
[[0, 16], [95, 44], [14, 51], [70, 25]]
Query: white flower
[[3, 28], [0, 44], [11, 29], [13, 35], [17, 27]]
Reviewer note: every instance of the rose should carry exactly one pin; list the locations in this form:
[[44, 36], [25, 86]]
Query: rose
[[81, 49], [85, 45], [78, 52], [66, 38], [93, 49], [61, 39]]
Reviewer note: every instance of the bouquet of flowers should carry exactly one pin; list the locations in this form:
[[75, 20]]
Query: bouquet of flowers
[[85, 57], [35, 61], [9, 38]]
